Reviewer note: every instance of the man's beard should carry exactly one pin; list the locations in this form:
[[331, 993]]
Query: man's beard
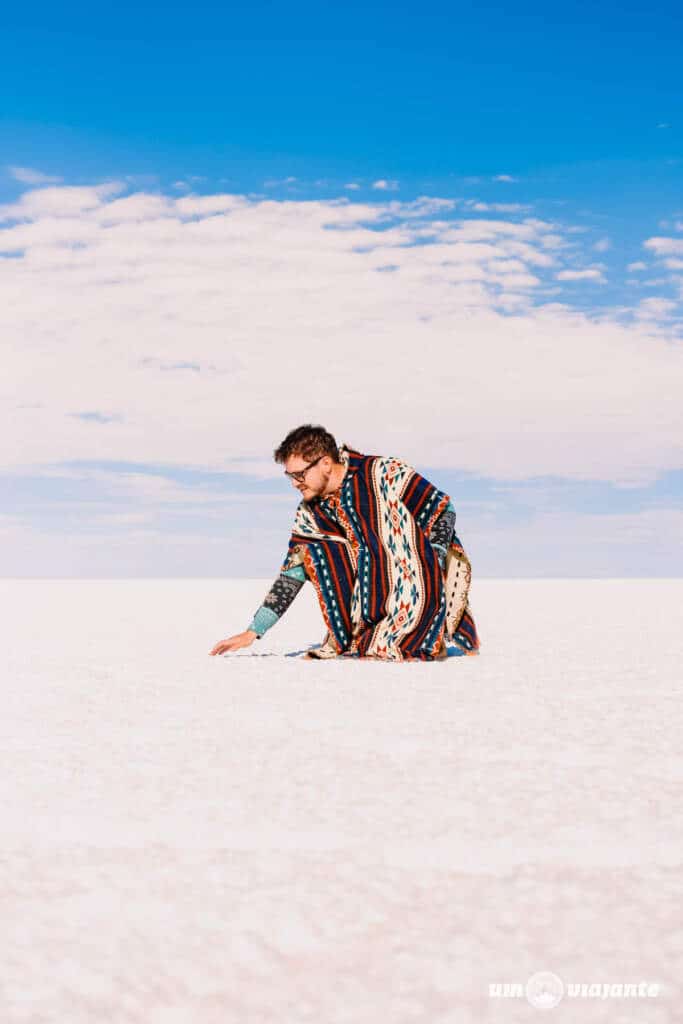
[[319, 492]]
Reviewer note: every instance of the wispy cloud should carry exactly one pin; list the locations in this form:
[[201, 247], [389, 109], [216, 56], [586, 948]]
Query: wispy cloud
[[478, 206], [275, 182], [30, 176], [118, 523], [669, 254], [589, 274], [655, 309], [385, 186], [97, 417], [665, 246]]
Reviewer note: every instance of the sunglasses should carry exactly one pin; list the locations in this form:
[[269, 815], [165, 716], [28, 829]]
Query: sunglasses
[[300, 474]]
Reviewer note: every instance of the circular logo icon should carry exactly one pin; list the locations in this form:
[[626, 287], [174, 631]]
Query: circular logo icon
[[544, 990]]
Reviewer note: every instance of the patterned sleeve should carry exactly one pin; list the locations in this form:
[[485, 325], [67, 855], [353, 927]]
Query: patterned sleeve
[[442, 533], [280, 596]]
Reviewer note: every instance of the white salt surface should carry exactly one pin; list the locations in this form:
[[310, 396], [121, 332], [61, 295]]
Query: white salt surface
[[190, 839]]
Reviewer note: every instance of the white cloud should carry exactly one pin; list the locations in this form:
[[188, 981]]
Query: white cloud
[[473, 204], [602, 245], [57, 202], [352, 185], [504, 177], [160, 491], [29, 176], [656, 282], [423, 206], [590, 274], [655, 309], [204, 206], [669, 251], [384, 185], [538, 231], [638, 265], [665, 246], [278, 314]]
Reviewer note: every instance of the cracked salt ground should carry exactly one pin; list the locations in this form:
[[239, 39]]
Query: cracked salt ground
[[191, 839]]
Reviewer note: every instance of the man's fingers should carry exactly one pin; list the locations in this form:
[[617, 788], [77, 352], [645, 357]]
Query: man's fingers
[[233, 644], [223, 646]]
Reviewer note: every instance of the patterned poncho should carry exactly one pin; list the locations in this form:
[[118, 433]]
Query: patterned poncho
[[381, 589]]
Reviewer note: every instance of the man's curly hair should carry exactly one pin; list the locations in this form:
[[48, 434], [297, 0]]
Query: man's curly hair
[[308, 441]]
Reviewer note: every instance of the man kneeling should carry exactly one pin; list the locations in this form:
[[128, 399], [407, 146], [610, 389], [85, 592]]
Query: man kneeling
[[378, 542]]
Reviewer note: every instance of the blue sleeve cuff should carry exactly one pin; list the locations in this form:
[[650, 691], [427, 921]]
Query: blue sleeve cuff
[[263, 620]]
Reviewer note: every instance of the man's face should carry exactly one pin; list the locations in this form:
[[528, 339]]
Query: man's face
[[315, 479]]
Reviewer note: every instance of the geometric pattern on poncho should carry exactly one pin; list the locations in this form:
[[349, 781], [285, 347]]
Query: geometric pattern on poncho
[[381, 589]]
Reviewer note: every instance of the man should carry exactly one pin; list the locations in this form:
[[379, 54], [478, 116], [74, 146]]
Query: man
[[378, 542]]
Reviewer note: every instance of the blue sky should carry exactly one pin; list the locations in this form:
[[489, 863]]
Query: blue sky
[[219, 222]]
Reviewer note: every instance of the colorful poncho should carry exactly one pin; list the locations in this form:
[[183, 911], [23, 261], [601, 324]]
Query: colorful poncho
[[381, 589]]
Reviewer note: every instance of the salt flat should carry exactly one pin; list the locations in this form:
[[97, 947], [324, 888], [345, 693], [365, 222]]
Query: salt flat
[[260, 838]]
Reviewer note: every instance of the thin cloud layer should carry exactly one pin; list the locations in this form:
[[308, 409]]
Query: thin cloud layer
[[30, 176], [197, 330], [668, 252]]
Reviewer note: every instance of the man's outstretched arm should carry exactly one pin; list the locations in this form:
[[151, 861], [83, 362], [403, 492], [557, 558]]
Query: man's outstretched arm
[[275, 604], [277, 600], [290, 581]]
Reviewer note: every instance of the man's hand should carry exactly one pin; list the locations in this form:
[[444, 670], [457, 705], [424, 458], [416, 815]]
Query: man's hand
[[234, 643]]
